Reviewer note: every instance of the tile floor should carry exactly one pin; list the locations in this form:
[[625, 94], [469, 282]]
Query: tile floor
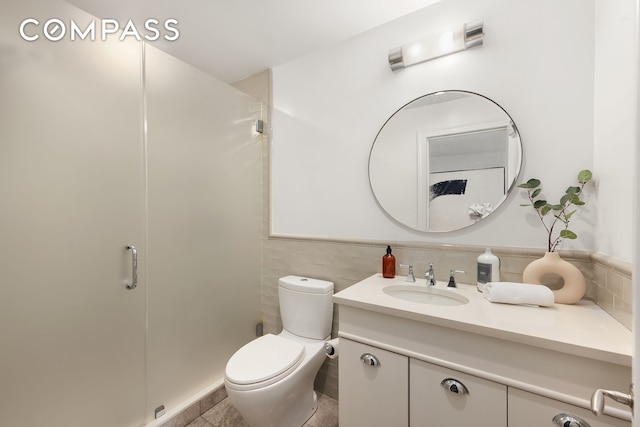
[[225, 415]]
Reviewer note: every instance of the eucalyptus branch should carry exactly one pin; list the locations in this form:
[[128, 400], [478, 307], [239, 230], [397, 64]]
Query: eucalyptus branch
[[560, 210]]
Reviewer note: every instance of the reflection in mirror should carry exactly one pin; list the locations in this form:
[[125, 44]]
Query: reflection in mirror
[[445, 161]]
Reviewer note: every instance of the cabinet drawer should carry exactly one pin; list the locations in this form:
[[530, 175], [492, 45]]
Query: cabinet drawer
[[481, 403], [372, 395], [531, 410]]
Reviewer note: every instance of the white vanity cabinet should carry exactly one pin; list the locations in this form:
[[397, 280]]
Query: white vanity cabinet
[[374, 390], [530, 410], [380, 388], [446, 398], [522, 366], [383, 388]]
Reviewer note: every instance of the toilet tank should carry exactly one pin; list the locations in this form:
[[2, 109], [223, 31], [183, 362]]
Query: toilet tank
[[306, 307]]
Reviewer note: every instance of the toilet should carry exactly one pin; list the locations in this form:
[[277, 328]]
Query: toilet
[[270, 380]]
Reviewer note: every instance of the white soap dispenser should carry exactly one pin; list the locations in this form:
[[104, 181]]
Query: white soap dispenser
[[488, 269]]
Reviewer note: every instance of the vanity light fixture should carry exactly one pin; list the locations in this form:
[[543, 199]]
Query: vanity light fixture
[[471, 34]]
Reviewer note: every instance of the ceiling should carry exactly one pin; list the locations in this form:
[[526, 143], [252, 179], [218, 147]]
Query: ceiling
[[234, 39]]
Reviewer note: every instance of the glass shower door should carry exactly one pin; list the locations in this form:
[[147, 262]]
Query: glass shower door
[[205, 217], [71, 199]]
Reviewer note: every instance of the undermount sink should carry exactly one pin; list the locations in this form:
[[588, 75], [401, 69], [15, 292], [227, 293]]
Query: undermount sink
[[425, 295]]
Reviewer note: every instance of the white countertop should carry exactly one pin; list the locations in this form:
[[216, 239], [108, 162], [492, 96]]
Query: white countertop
[[582, 329]]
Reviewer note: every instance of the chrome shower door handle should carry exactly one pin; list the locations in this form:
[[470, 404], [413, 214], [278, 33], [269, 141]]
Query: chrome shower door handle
[[134, 267]]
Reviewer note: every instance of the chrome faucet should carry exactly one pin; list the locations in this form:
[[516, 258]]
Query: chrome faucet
[[452, 280], [430, 275]]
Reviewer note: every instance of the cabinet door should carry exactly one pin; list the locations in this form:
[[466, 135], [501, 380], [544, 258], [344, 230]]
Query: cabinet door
[[531, 410], [465, 401], [374, 392]]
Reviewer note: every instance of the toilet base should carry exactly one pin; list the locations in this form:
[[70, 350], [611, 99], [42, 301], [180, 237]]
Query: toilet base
[[290, 410], [288, 402]]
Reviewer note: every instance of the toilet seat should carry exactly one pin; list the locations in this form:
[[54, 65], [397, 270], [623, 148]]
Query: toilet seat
[[264, 361]]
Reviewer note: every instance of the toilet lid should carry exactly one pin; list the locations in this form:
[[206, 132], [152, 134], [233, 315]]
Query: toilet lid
[[263, 358]]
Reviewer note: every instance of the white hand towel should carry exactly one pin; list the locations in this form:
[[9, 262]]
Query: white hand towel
[[518, 293]]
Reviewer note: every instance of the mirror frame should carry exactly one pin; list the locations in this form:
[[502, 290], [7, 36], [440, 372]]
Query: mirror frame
[[508, 188]]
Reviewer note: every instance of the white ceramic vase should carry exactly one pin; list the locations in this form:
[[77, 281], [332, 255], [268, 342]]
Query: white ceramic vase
[[574, 283]]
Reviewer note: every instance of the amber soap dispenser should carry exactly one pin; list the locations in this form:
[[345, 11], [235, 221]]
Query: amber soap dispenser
[[388, 265]]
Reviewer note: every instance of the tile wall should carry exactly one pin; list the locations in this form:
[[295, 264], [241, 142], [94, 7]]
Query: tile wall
[[345, 263], [612, 287]]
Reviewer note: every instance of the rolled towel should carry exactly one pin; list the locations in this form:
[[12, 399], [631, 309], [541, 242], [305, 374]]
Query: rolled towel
[[518, 293]]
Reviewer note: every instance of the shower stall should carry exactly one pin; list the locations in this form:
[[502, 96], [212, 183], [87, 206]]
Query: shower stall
[[107, 146]]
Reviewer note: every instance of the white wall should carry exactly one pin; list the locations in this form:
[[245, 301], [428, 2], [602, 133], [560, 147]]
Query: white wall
[[615, 115], [537, 62]]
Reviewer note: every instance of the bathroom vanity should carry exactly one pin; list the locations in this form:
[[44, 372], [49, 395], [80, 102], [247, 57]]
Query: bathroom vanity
[[412, 358]]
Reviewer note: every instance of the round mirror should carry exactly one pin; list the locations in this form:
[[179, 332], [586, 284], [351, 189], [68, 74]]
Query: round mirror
[[445, 161]]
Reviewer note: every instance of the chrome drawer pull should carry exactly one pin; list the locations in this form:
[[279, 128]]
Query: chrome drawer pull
[[567, 420], [454, 386], [369, 360]]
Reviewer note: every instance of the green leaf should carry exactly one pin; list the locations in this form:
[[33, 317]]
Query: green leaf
[[584, 176], [531, 184], [575, 199], [573, 190], [579, 203], [536, 192], [568, 234], [539, 203], [569, 215], [556, 207], [564, 199], [545, 209], [525, 204]]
